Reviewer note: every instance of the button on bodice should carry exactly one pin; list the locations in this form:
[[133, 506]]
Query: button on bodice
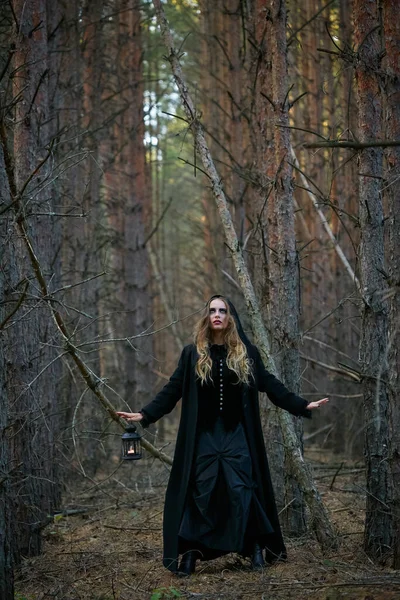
[[221, 397]]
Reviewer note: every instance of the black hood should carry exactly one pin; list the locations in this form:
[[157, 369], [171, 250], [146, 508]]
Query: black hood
[[235, 315]]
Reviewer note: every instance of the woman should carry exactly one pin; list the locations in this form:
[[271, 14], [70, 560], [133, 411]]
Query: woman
[[219, 497]]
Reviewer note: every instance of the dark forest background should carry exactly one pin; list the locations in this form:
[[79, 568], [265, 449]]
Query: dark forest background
[[111, 239]]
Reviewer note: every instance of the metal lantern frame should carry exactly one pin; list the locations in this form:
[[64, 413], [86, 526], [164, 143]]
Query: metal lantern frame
[[131, 444]]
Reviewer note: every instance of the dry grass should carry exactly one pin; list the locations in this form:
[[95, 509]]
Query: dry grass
[[114, 552]]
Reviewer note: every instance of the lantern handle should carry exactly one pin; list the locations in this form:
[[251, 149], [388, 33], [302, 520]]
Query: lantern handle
[[130, 429]]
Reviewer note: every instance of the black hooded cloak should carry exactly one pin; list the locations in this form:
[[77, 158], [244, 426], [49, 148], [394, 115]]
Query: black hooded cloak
[[183, 384]]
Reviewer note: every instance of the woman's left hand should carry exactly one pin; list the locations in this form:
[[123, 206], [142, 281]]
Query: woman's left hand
[[317, 404]]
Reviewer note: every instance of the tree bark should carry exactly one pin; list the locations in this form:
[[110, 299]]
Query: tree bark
[[67, 113], [7, 534], [7, 311], [29, 349], [391, 24], [274, 164], [215, 79], [6, 505], [138, 361], [373, 342], [89, 250]]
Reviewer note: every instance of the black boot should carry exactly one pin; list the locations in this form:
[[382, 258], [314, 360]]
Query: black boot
[[188, 564], [257, 559]]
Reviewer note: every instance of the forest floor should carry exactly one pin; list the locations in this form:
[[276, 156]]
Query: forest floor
[[112, 550]]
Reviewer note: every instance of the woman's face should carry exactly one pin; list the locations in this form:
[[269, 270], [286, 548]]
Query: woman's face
[[218, 315]]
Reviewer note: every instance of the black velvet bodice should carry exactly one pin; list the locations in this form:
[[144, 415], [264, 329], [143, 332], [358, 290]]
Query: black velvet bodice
[[220, 398]]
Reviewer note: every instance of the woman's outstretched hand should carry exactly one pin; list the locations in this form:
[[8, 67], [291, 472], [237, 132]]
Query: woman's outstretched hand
[[317, 404], [130, 416]]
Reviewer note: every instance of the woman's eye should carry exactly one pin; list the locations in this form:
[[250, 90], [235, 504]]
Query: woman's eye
[[223, 311], [212, 310]]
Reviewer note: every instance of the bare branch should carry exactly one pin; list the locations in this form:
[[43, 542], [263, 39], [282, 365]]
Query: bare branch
[[340, 370], [294, 34], [72, 285], [305, 130], [156, 226], [327, 315], [353, 144], [327, 227], [15, 309]]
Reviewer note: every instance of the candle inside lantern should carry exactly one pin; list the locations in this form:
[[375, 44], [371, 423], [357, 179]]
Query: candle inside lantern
[[131, 448]]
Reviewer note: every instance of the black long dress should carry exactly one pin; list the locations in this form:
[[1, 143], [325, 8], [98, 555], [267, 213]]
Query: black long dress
[[222, 512], [183, 384]]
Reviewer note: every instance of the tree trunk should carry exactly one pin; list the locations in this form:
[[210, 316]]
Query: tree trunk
[[89, 249], [373, 342], [138, 361], [213, 94], [29, 351], [6, 309], [6, 505], [67, 101], [391, 24], [112, 145], [7, 535], [282, 262]]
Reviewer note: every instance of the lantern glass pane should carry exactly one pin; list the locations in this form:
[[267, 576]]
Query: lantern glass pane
[[131, 446]]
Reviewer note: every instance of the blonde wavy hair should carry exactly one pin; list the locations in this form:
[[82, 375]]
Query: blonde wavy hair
[[237, 358]]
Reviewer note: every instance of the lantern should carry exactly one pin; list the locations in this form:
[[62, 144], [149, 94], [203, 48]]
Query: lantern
[[131, 446]]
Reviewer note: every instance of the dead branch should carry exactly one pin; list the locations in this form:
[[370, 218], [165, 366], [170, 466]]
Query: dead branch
[[72, 285], [294, 34], [159, 220], [310, 436], [352, 144], [305, 130], [132, 528], [325, 345], [326, 226], [327, 315], [335, 475], [231, 279], [16, 307], [340, 370]]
